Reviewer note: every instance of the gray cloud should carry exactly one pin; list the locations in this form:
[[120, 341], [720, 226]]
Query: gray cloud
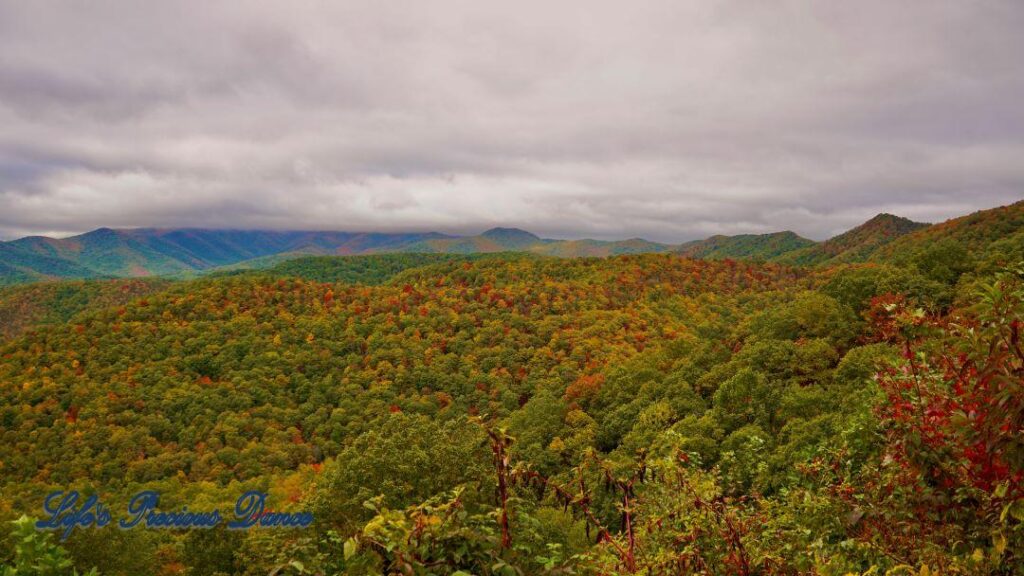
[[669, 120]]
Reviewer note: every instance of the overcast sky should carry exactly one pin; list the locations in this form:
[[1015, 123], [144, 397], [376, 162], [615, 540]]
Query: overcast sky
[[670, 120]]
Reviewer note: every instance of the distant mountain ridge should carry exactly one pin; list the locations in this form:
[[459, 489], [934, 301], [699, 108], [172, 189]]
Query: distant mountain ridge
[[757, 246], [110, 253], [106, 252]]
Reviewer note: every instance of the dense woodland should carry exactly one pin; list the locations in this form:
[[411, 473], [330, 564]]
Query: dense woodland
[[524, 414]]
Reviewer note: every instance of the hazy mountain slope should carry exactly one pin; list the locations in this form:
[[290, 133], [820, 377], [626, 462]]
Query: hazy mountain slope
[[599, 248], [516, 240], [856, 244], [145, 252], [149, 251], [745, 246], [512, 238], [18, 264], [207, 248], [467, 245], [110, 252], [365, 243], [493, 240], [12, 275]]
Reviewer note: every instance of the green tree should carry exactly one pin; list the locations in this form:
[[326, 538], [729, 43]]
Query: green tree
[[35, 553]]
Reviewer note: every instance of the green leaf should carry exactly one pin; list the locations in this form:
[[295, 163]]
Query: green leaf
[[1001, 490], [1017, 510], [349, 548]]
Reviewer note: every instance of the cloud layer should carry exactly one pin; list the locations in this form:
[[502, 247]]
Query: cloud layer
[[669, 119]]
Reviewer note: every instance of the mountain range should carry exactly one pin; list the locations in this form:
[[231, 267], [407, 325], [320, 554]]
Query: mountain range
[[140, 252]]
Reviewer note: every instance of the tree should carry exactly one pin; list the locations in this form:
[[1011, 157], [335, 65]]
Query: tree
[[35, 553], [954, 424]]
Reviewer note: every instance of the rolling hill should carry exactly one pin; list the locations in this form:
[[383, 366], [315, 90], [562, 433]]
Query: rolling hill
[[856, 244], [993, 234], [745, 246]]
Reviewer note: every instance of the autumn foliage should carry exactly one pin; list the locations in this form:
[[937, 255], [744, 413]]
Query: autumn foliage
[[519, 415]]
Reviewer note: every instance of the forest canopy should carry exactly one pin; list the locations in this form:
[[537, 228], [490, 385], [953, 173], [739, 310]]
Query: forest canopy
[[523, 414]]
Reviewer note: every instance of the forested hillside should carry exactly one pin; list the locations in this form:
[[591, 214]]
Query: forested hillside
[[53, 303], [647, 414], [746, 246], [987, 239], [368, 269], [19, 265], [514, 413], [855, 245]]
